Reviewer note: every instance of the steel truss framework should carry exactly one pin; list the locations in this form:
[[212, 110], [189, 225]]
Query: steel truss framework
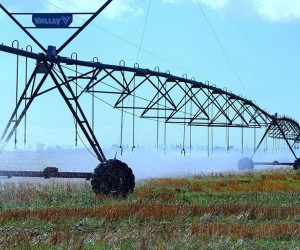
[[169, 98], [148, 93]]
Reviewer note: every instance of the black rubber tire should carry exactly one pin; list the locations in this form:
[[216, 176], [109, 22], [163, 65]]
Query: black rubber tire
[[296, 164], [113, 177], [245, 163]]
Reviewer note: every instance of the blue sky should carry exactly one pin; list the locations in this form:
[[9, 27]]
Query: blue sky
[[260, 37]]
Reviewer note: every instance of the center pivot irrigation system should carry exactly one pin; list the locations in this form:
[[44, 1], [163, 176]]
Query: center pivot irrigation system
[[146, 93]]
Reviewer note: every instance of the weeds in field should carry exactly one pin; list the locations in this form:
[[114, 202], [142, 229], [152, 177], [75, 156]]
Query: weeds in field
[[276, 231], [151, 211], [219, 211]]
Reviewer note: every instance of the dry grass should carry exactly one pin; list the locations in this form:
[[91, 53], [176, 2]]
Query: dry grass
[[161, 236], [271, 231], [186, 213], [152, 211]]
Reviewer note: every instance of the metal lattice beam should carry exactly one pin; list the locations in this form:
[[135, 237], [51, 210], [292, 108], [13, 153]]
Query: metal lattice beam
[[156, 95]]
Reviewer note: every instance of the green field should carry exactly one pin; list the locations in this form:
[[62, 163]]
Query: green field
[[254, 210]]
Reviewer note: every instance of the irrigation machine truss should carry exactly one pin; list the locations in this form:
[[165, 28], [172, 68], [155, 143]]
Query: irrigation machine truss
[[174, 100]]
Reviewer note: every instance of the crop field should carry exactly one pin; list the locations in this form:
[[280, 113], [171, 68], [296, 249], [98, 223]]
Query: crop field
[[253, 210]]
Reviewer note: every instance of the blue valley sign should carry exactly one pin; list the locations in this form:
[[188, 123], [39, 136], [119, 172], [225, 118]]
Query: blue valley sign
[[52, 20]]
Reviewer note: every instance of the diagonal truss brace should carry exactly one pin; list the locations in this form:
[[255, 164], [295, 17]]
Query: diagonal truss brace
[[68, 41], [72, 102], [277, 125], [62, 84], [13, 123]]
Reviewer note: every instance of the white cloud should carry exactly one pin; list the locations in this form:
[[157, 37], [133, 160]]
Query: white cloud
[[174, 1], [278, 10], [120, 7], [116, 10], [270, 10], [213, 4]]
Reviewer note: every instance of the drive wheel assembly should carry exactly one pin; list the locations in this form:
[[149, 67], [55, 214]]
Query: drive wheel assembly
[[296, 164], [113, 177], [245, 163]]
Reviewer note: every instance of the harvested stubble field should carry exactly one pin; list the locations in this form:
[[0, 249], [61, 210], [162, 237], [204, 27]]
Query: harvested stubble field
[[255, 210]]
